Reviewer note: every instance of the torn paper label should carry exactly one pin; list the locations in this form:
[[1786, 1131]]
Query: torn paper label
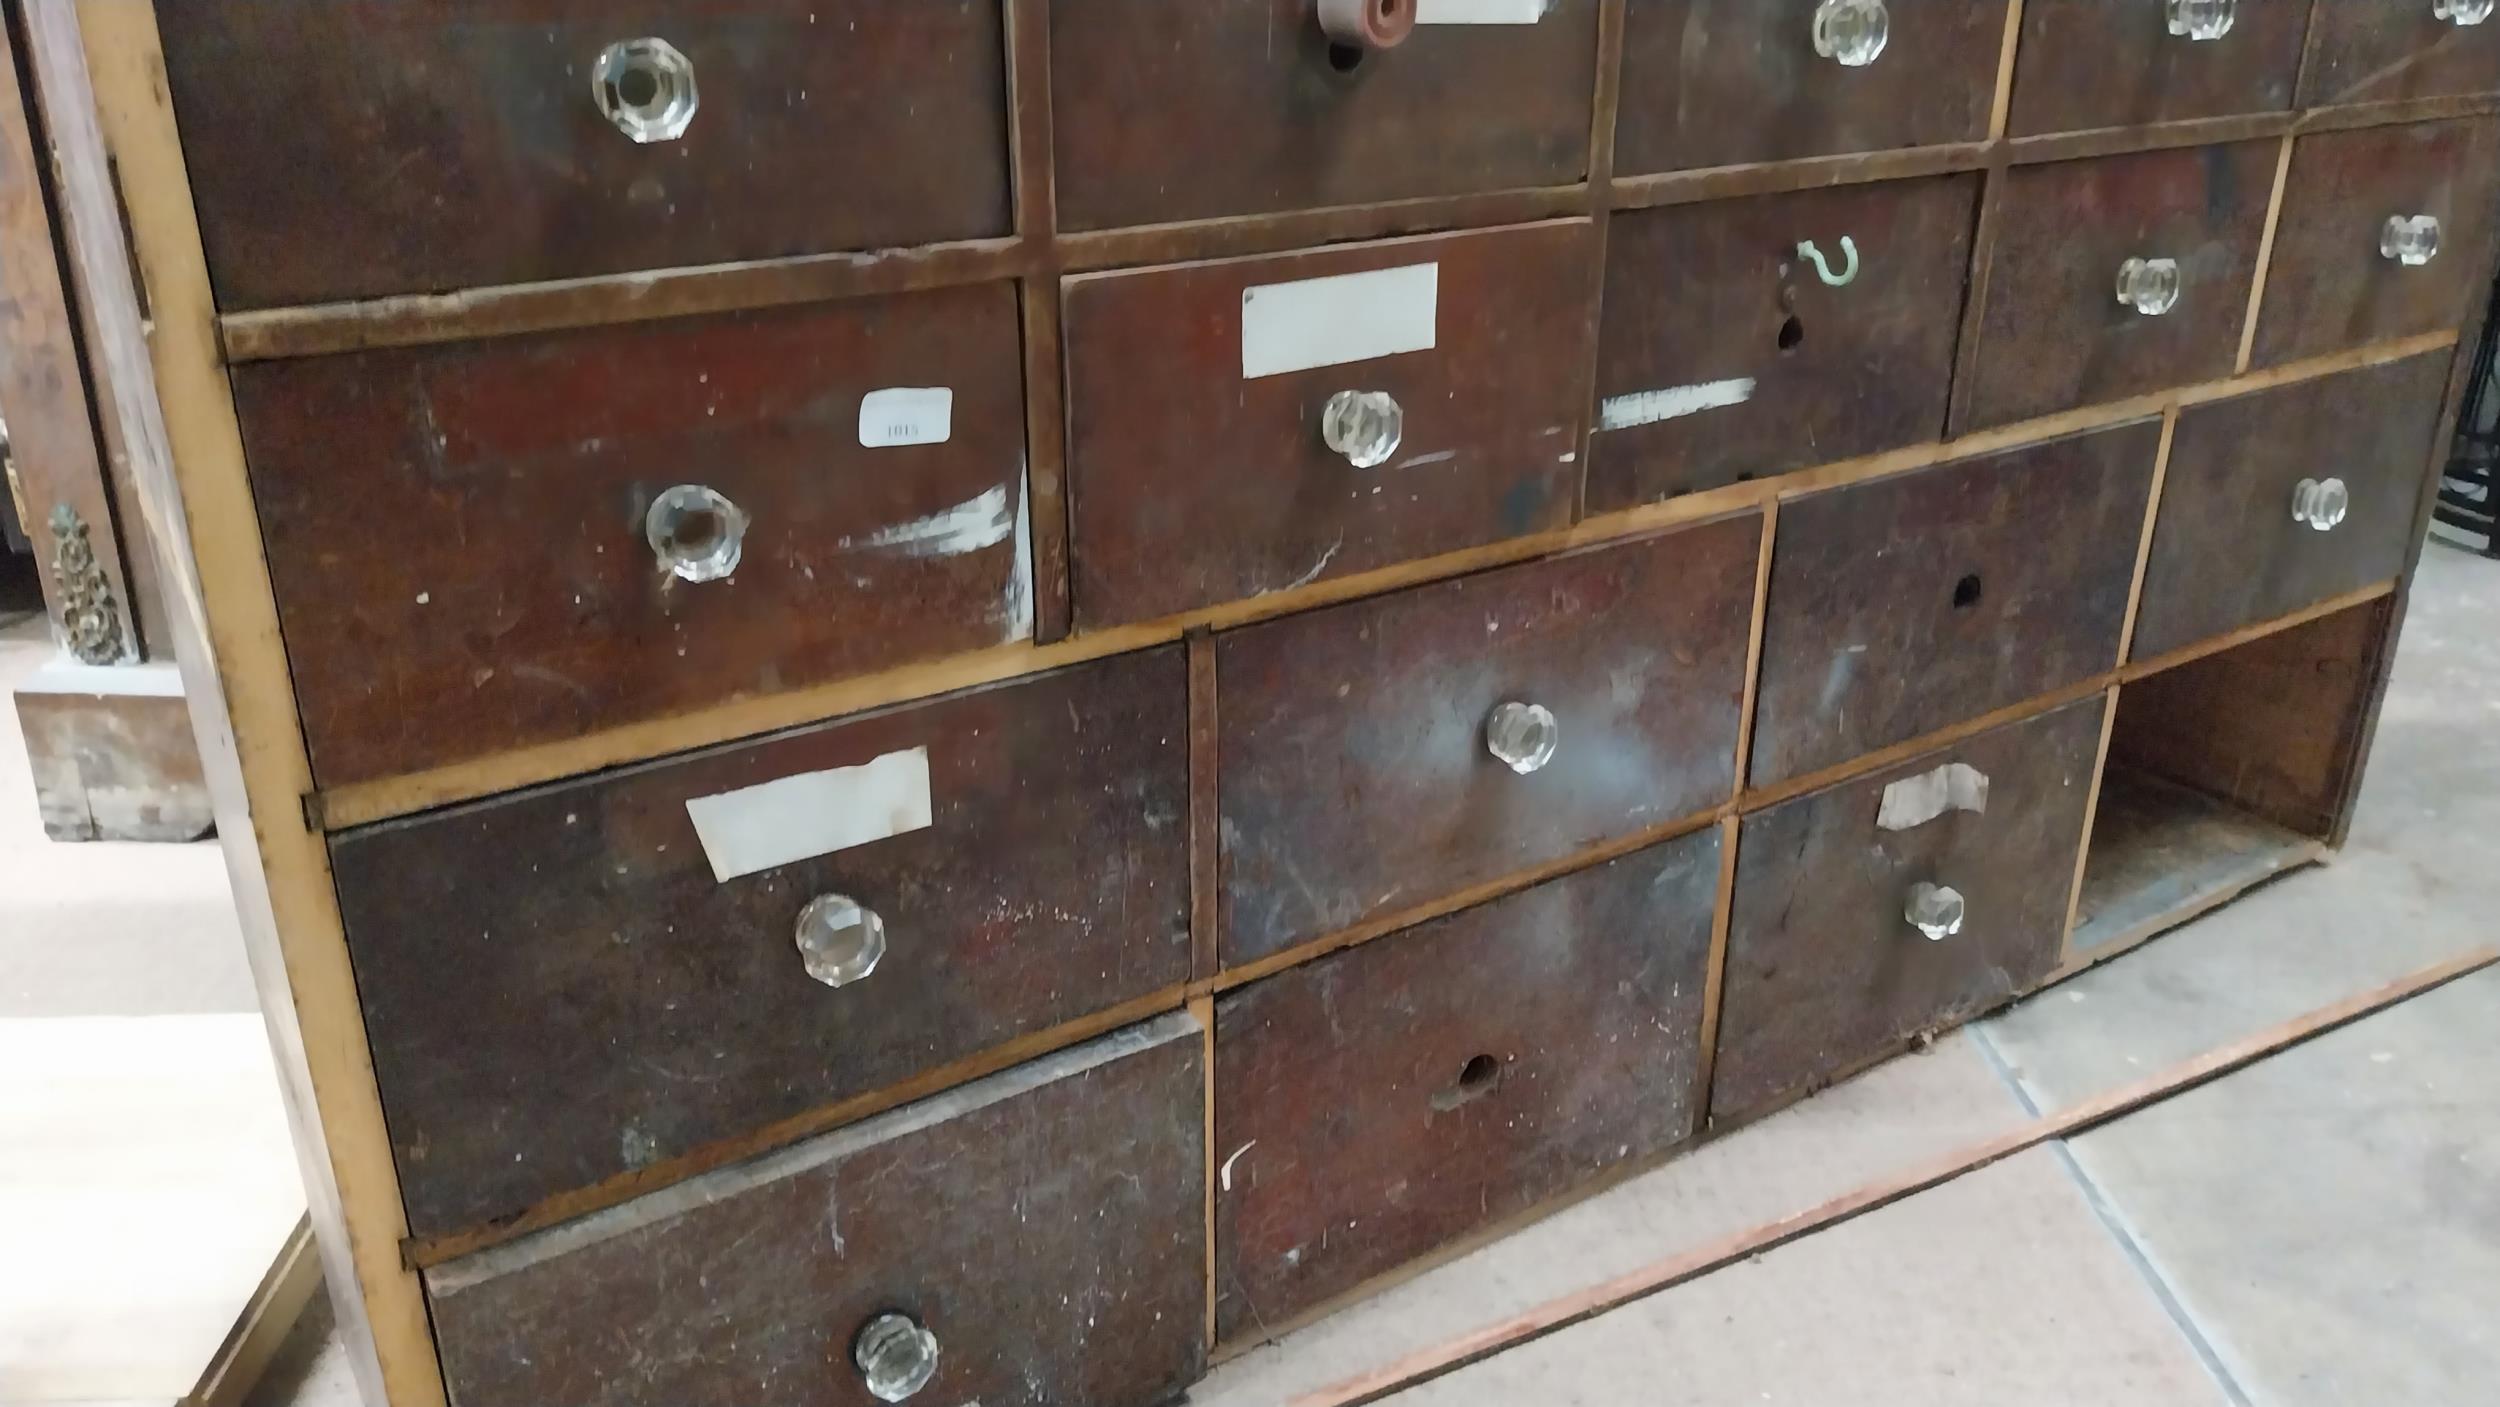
[[814, 813], [1914, 801], [1675, 402], [1481, 11], [1332, 321], [907, 415]]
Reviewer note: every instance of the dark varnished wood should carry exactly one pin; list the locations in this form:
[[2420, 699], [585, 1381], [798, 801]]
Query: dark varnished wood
[[1045, 1224], [1234, 107], [1356, 781], [1823, 971], [1908, 604], [1194, 486], [2381, 50], [2052, 333], [1707, 293], [2226, 552], [2328, 286], [559, 991], [1729, 82], [456, 539], [1365, 1138], [2086, 64]]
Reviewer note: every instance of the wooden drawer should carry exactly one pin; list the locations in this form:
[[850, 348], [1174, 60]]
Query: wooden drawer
[[2053, 332], [2089, 64], [1198, 459], [1825, 970], [1359, 777], [459, 536], [1726, 356], [1394, 1097], [2331, 283], [1167, 111], [1913, 603], [1046, 1226], [2227, 550], [435, 145], [613, 977], [2364, 51], [1729, 82]]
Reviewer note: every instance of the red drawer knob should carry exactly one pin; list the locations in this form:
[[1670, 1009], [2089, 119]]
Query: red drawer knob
[[1368, 24]]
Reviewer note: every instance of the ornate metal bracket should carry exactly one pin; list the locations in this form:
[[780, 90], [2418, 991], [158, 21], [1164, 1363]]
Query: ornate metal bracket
[[91, 622]]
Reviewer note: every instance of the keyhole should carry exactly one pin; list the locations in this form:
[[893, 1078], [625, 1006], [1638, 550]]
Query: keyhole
[[1966, 592], [1792, 334], [1476, 1079], [1344, 58]]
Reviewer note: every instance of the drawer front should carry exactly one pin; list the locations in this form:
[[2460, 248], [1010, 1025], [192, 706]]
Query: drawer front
[[2333, 281], [1826, 970], [1168, 111], [1729, 82], [1726, 355], [1357, 744], [460, 537], [1392, 1098], [2228, 550], [2365, 51], [1199, 460], [1910, 604], [2054, 334], [2088, 64], [1045, 1226], [593, 995], [418, 147]]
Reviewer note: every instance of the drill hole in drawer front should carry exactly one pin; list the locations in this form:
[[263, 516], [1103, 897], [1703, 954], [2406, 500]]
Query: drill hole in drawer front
[[648, 963], [487, 545], [1250, 426], [2087, 64], [418, 148], [1263, 106]]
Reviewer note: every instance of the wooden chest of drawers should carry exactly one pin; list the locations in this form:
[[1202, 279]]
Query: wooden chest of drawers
[[970, 699]]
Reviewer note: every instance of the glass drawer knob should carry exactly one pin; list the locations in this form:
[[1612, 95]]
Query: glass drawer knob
[[896, 1356], [1935, 910], [2410, 240], [2150, 286], [696, 533], [1523, 736], [1368, 24], [840, 939], [2203, 19], [1852, 32], [646, 88], [2321, 503], [1364, 426], [2463, 12]]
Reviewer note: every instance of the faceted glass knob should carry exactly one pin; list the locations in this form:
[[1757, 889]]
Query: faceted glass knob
[[1364, 426], [839, 939], [896, 1356], [696, 533], [2410, 240], [1523, 736], [1852, 32], [2463, 12], [1935, 910], [646, 88], [2321, 503], [2150, 286], [1368, 24], [2203, 19]]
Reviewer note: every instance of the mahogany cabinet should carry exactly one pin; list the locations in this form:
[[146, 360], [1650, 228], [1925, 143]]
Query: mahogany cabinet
[[957, 700]]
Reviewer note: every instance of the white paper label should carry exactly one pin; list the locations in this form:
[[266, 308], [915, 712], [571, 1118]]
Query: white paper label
[[1914, 801], [814, 813], [1480, 11], [1333, 321], [907, 415]]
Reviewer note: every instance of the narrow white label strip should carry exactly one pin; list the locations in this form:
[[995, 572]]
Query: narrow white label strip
[[1481, 11], [1332, 321], [907, 415], [1914, 801], [1650, 407], [814, 813]]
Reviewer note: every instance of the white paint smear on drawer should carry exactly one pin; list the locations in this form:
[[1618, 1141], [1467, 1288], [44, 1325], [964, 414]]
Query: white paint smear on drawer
[[1333, 321], [814, 813], [977, 523], [1481, 11], [1650, 407], [907, 415]]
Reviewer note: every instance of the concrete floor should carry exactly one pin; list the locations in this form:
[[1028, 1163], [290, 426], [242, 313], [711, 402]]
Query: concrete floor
[[2323, 1228]]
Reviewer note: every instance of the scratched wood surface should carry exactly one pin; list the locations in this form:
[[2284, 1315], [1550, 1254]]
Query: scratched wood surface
[[416, 147], [1391, 1098], [456, 533], [1355, 776], [2380, 50], [1043, 1223], [2086, 64]]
